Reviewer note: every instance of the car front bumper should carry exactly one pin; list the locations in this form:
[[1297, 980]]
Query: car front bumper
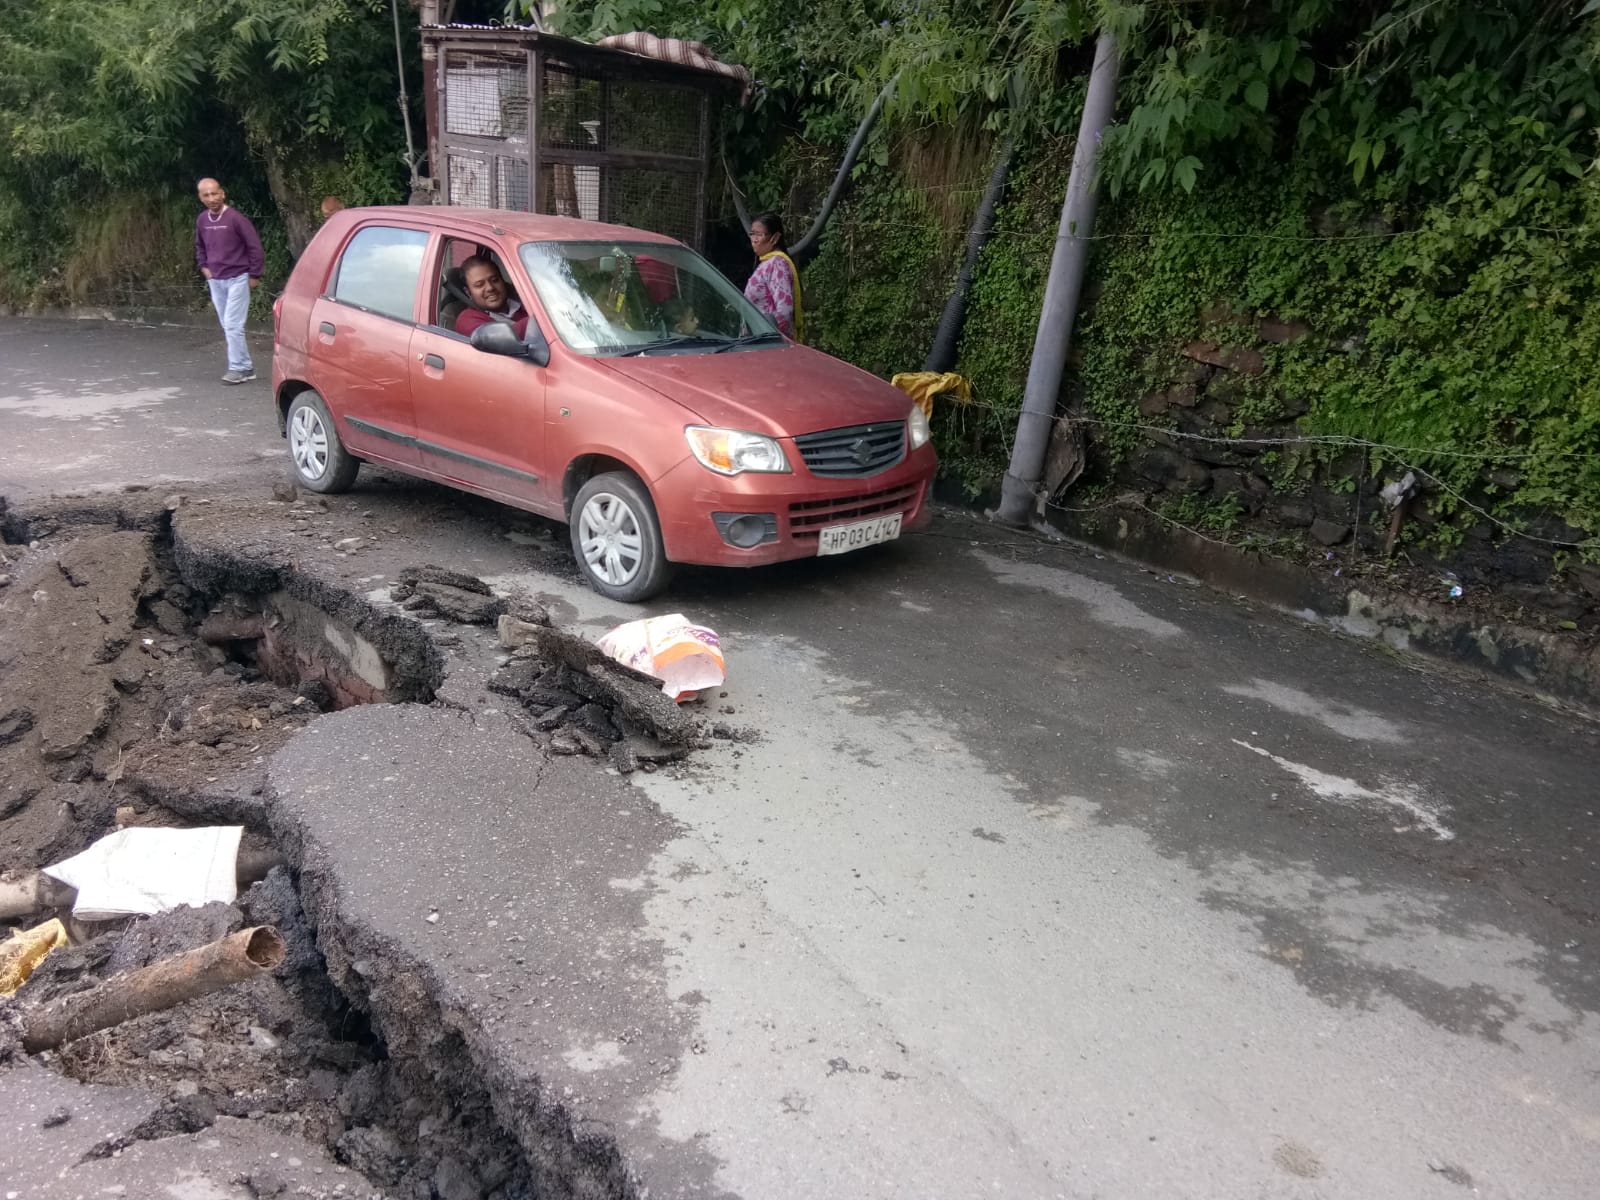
[[698, 508]]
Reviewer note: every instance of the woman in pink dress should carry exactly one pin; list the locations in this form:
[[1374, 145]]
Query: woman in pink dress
[[774, 288]]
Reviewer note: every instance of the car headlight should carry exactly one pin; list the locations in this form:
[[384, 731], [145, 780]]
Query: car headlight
[[733, 451], [917, 427]]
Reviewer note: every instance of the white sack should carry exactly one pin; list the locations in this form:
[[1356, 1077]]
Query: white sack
[[144, 871]]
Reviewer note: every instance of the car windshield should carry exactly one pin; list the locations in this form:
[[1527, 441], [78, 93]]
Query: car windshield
[[608, 298]]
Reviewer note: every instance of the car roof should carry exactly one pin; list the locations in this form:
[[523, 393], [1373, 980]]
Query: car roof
[[502, 222]]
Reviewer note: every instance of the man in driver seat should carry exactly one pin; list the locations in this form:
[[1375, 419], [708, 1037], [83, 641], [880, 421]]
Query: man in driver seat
[[491, 297]]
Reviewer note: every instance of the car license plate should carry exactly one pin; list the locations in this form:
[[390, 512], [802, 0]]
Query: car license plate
[[840, 539]]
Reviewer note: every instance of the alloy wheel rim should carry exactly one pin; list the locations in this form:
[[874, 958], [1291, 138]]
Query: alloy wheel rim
[[308, 443], [613, 543]]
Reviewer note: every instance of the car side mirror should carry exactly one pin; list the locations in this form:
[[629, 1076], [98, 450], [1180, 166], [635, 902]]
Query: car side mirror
[[498, 337]]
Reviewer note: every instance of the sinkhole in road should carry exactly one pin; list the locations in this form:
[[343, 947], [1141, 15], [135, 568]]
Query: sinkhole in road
[[300, 631], [296, 644], [146, 680]]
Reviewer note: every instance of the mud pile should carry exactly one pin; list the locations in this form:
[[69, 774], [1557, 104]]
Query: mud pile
[[143, 683], [282, 1049], [106, 690], [580, 701]]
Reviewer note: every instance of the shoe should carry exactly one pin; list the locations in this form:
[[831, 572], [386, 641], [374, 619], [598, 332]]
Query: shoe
[[238, 377]]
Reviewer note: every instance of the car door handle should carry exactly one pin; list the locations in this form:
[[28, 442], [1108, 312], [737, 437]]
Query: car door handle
[[327, 328], [432, 360]]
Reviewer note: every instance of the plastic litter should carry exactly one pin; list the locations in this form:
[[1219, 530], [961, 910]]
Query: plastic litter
[[1399, 490], [25, 950], [687, 658], [143, 871]]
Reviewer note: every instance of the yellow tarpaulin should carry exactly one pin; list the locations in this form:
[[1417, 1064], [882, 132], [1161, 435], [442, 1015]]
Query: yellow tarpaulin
[[25, 950], [923, 386]]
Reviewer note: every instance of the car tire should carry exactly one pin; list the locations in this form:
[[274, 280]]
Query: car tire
[[616, 538], [320, 461]]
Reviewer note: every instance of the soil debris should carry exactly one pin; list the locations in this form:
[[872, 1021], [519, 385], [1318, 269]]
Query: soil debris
[[587, 703], [146, 680], [283, 1051], [97, 687], [134, 668], [452, 595]]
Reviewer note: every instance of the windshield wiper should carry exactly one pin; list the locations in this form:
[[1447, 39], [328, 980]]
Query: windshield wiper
[[682, 339], [749, 339]]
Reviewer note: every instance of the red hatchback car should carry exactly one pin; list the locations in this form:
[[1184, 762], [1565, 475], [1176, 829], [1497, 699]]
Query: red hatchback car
[[609, 377]]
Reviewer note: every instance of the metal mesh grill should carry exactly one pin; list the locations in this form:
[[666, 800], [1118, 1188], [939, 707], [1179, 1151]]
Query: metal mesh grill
[[572, 109], [588, 111], [569, 190], [608, 142], [662, 201], [512, 177], [656, 118], [469, 181], [487, 95]]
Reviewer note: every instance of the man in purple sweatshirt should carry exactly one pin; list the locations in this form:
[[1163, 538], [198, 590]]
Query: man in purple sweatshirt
[[229, 254]]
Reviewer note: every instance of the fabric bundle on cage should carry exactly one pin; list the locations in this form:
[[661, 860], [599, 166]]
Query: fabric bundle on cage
[[684, 54]]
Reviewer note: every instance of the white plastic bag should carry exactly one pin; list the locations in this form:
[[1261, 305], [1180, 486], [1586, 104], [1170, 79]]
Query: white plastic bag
[[686, 658], [151, 870]]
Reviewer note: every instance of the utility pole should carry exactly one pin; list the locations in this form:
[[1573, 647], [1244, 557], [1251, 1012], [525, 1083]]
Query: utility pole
[[1060, 295]]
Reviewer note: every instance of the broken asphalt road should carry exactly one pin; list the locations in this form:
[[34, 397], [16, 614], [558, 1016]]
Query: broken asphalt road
[[1047, 876]]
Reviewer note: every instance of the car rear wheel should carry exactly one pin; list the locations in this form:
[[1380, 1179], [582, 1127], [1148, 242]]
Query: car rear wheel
[[616, 538], [321, 463]]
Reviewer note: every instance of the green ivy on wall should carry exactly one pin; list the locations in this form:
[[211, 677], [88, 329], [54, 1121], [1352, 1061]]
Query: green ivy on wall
[[1455, 334], [875, 290], [1460, 331]]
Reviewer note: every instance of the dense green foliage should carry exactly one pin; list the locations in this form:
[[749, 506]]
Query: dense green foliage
[[1457, 350], [1429, 335], [1414, 179], [109, 113], [866, 308]]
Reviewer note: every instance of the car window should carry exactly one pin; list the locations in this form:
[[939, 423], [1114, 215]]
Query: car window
[[617, 297], [452, 298], [379, 270]]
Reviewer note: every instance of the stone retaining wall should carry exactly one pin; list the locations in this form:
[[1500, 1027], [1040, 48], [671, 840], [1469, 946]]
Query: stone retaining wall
[[1203, 445]]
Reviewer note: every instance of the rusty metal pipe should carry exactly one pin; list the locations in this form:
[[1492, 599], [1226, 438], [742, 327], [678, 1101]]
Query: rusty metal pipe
[[155, 988]]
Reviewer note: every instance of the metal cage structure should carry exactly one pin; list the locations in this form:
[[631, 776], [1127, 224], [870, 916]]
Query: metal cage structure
[[526, 120]]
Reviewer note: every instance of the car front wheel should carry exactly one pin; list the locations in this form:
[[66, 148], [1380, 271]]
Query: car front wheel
[[321, 463], [617, 538]]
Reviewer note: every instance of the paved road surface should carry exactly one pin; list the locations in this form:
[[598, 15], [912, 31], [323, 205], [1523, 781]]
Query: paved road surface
[[1048, 877], [92, 406]]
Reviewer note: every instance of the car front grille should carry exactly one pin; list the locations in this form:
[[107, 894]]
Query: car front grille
[[807, 518], [854, 451]]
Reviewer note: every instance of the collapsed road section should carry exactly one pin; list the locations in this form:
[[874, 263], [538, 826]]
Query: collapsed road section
[[154, 680]]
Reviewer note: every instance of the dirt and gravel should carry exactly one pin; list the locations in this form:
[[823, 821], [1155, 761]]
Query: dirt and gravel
[[146, 681], [108, 696], [284, 1050]]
